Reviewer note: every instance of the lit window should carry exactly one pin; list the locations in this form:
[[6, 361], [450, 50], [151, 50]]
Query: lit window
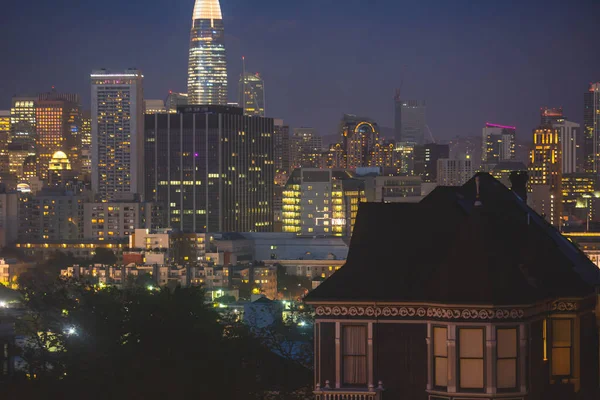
[[506, 363], [440, 356], [561, 347], [471, 349], [354, 355]]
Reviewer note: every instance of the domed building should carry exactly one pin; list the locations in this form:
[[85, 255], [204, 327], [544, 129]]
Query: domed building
[[59, 169]]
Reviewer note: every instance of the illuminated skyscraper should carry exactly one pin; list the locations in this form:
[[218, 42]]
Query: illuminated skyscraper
[[58, 128], [4, 140], [545, 174], [207, 68], [251, 89], [22, 119], [117, 133], [410, 120], [306, 148], [86, 143], [591, 129], [360, 139], [175, 100], [549, 116]]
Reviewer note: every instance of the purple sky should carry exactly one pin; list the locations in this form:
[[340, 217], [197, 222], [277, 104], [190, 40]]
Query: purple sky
[[473, 61]]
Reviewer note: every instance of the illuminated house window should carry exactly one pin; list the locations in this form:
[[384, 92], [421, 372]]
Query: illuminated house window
[[506, 363], [354, 355], [470, 365], [562, 343], [440, 356]]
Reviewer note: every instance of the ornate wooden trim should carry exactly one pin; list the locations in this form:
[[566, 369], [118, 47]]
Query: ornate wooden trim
[[424, 312]]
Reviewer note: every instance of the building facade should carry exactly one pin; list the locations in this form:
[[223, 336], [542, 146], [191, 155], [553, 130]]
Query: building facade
[[393, 189], [591, 129], [212, 168], [306, 148], [498, 143], [410, 120], [319, 202], [251, 97], [454, 172], [116, 220], [569, 137], [175, 100], [545, 174], [207, 67], [360, 142], [550, 116], [22, 119], [281, 147], [426, 158], [4, 141], [117, 133]]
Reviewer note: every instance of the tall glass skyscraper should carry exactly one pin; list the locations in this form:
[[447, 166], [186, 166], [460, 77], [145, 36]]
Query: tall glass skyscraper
[[251, 88], [207, 68]]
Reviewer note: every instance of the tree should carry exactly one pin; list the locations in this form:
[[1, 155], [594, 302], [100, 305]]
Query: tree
[[104, 256], [118, 343], [292, 287]]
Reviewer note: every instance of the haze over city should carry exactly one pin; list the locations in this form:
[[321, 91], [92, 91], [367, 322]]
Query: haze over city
[[471, 62]]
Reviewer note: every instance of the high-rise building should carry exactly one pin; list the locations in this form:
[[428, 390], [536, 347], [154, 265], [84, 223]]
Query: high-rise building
[[306, 148], [251, 88], [212, 168], [58, 127], [454, 172], [4, 141], [410, 120], [569, 137], [406, 156], [86, 143], [360, 139], [321, 202], [207, 68], [281, 147], [545, 174], [498, 143], [550, 116], [591, 129], [22, 119], [117, 133], [426, 158], [175, 100]]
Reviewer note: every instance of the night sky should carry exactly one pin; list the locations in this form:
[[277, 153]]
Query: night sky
[[473, 61]]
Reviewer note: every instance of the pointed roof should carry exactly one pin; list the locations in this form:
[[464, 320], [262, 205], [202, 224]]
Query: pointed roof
[[446, 250], [207, 9]]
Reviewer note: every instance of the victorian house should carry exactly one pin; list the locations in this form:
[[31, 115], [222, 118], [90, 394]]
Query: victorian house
[[468, 294]]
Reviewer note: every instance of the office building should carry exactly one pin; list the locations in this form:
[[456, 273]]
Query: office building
[[86, 144], [359, 139], [117, 219], [281, 147], [578, 200], [175, 100], [58, 127], [591, 129], [251, 97], [504, 169], [569, 135], [406, 157], [9, 217], [59, 170], [52, 214], [498, 143], [306, 148], [319, 202], [410, 120], [154, 106], [502, 305], [550, 116], [207, 68], [454, 172], [545, 174], [22, 119], [117, 133], [426, 158], [4, 141], [212, 167]]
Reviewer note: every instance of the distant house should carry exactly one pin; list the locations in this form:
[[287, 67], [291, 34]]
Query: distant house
[[468, 294]]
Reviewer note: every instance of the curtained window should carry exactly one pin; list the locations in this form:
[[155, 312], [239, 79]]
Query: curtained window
[[354, 354], [506, 360], [440, 356], [471, 350], [562, 342]]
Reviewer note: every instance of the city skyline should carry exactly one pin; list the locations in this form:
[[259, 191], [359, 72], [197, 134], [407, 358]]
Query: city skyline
[[519, 80]]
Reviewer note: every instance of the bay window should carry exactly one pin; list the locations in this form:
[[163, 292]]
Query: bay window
[[354, 355], [471, 358], [506, 358], [440, 356], [562, 342]]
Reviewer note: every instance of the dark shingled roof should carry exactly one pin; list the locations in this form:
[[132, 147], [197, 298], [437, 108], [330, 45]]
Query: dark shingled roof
[[446, 250]]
